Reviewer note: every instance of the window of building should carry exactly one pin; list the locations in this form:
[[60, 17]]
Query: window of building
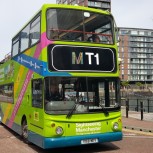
[[98, 4], [73, 2], [91, 3], [58, 1], [133, 32], [124, 32], [105, 5], [65, 2], [141, 33], [147, 33], [122, 77]]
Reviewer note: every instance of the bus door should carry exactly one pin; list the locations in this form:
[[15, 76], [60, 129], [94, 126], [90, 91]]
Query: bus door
[[37, 104]]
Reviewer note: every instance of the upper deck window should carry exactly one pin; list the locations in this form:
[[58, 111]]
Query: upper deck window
[[27, 37], [75, 25], [35, 31], [15, 46]]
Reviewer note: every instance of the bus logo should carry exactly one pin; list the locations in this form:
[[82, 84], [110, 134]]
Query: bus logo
[[79, 59]]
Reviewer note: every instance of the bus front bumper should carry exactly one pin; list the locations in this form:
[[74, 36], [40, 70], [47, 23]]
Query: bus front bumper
[[81, 140]]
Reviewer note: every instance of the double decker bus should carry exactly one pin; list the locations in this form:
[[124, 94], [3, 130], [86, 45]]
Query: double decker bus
[[73, 48]]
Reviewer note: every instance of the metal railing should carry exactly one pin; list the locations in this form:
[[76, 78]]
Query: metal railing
[[135, 104], [140, 105]]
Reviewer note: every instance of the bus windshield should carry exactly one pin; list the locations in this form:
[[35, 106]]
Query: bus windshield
[[81, 95], [78, 25]]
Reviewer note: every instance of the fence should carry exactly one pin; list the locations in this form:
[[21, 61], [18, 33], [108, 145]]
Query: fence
[[135, 104], [139, 105]]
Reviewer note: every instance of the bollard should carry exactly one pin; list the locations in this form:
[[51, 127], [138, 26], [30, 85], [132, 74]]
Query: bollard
[[148, 106], [137, 105], [127, 107], [141, 107]]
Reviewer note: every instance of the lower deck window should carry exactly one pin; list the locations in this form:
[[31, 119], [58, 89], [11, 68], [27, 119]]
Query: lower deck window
[[82, 94], [6, 93]]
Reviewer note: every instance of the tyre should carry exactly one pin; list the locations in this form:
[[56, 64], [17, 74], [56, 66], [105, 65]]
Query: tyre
[[25, 131]]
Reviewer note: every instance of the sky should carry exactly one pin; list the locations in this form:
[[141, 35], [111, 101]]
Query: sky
[[14, 14]]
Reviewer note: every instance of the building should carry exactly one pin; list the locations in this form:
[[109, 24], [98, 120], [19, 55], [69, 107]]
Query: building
[[101, 4], [136, 52]]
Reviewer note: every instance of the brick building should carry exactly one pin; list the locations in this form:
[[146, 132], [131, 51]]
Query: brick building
[[101, 4]]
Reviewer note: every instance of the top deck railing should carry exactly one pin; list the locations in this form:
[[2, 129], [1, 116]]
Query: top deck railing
[[6, 58]]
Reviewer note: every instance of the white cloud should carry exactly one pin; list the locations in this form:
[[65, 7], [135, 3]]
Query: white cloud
[[133, 13], [14, 15]]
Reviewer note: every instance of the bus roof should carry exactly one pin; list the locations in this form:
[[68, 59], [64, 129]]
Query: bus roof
[[46, 6], [75, 7]]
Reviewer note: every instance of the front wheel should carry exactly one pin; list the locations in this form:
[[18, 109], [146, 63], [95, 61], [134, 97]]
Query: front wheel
[[0, 115], [25, 131]]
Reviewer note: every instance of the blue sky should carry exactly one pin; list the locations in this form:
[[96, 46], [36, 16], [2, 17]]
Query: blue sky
[[14, 14]]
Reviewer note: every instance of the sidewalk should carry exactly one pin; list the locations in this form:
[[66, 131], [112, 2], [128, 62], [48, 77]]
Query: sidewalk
[[134, 122]]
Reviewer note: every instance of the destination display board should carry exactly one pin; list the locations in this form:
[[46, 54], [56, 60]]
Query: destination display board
[[81, 58]]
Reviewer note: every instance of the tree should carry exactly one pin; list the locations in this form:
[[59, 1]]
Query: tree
[[139, 84], [125, 84]]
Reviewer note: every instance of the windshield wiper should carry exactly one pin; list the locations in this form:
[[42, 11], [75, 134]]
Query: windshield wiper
[[71, 111], [104, 109]]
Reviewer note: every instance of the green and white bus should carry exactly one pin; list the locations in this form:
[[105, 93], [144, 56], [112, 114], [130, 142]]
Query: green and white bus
[[58, 46]]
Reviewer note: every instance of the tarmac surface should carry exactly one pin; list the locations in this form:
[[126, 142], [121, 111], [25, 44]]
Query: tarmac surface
[[134, 122]]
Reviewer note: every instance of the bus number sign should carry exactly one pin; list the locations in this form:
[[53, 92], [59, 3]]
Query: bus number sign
[[80, 58]]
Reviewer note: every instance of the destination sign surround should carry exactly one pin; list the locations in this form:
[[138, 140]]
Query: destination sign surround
[[81, 58]]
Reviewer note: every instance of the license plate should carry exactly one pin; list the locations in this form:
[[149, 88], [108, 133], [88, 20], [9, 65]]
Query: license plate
[[89, 141]]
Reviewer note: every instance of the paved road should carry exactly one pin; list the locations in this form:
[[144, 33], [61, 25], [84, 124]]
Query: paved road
[[133, 142]]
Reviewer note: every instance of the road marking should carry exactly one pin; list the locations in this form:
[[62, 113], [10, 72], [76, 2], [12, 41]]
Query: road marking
[[7, 137], [129, 134], [137, 132], [136, 136], [12, 137]]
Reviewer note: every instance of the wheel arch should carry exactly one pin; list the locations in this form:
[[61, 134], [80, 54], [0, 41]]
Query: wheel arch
[[23, 119]]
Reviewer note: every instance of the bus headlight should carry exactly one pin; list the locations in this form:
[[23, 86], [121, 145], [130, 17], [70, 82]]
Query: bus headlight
[[115, 126], [59, 130]]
